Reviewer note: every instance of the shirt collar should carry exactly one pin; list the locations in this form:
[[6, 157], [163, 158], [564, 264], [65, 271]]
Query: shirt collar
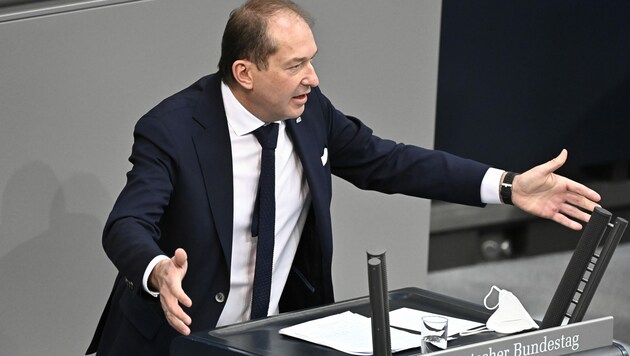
[[240, 120]]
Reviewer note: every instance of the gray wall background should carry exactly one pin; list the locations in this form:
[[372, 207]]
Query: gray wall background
[[73, 85]]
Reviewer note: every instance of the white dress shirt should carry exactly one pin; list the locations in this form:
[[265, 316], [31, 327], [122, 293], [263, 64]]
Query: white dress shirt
[[292, 202]]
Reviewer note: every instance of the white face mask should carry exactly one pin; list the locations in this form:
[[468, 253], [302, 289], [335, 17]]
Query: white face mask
[[510, 315]]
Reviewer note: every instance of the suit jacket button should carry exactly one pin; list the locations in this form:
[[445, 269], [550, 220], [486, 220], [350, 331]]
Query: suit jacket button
[[219, 297]]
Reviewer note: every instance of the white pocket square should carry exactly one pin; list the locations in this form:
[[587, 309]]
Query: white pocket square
[[325, 156]]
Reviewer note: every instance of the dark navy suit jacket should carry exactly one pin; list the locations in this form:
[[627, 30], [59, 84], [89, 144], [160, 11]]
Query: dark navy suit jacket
[[179, 194]]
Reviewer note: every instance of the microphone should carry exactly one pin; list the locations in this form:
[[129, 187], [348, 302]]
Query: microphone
[[379, 303]]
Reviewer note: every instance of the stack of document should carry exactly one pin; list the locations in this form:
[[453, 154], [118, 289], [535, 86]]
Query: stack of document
[[352, 333], [348, 332]]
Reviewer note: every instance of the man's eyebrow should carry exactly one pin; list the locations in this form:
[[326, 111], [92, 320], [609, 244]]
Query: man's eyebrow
[[301, 59]]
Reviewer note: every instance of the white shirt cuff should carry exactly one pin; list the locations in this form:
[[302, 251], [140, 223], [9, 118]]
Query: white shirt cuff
[[147, 273], [490, 186]]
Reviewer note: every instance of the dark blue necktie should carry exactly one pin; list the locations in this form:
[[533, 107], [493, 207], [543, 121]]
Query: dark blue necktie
[[263, 220]]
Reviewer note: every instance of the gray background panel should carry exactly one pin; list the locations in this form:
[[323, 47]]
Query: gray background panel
[[73, 85]]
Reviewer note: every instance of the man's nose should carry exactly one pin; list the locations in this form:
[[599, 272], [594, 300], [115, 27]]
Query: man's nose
[[311, 78]]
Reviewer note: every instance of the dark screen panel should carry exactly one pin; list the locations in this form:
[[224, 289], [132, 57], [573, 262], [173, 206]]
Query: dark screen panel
[[520, 80]]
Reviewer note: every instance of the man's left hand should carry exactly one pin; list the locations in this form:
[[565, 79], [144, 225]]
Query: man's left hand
[[541, 192]]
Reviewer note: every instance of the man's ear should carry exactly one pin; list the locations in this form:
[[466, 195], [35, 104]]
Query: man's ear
[[242, 70]]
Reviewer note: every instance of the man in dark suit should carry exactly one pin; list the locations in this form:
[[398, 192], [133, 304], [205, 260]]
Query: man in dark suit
[[180, 232]]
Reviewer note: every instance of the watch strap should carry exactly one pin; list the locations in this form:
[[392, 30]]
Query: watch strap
[[505, 191]]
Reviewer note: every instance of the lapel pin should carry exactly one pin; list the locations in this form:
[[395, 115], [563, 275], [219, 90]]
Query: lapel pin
[[298, 120]]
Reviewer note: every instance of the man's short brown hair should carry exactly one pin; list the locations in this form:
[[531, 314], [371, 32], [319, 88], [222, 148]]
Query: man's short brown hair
[[246, 36]]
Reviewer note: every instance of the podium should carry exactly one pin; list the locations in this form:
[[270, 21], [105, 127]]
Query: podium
[[261, 337]]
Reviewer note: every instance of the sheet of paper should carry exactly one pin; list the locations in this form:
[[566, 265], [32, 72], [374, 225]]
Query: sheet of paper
[[411, 318], [352, 333], [348, 332]]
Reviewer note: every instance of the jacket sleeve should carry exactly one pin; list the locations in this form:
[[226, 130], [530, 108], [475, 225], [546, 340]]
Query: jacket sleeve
[[372, 163], [132, 230]]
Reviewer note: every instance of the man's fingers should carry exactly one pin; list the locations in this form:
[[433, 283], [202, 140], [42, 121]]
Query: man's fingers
[[183, 298], [557, 162], [575, 213], [175, 315], [180, 257], [173, 288], [581, 201], [179, 326], [584, 191], [178, 323], [179, 314], [563, 220]]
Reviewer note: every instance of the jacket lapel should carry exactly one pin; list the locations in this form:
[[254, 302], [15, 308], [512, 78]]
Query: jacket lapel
[[310, 148], [212, 145]]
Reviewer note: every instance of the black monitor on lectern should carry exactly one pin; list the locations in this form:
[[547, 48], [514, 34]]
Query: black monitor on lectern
[[585, 269]]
